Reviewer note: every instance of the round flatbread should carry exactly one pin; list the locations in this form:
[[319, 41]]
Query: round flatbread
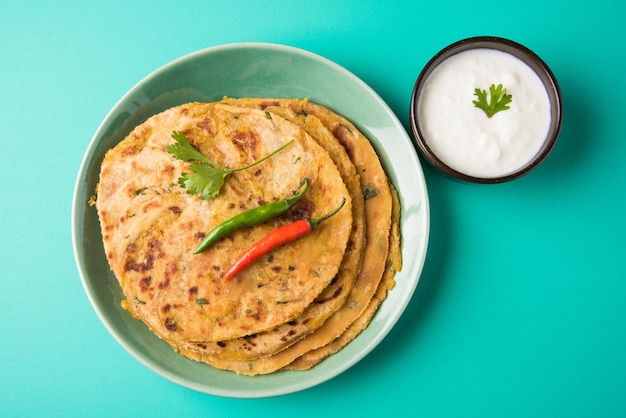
[[335, 294], [150, 225], [378, 208]]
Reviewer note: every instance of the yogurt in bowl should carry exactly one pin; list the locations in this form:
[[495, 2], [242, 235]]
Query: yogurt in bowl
[[486, 110]]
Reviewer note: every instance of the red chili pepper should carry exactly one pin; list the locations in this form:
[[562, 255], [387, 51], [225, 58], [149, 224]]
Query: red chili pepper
[[276, 238]]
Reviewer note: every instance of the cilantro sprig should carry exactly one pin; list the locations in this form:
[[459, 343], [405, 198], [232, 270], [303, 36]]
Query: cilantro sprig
[[206, 177], [498, 100]]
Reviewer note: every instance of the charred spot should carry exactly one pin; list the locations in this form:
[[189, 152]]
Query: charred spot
[[202, 346], [193, 290], [170, 324], [154, 244], [166, 308], [260, 201], [306, 321], [292, 323], [342, 133], [130, 150], [147, 264], [246, 141], [184, 111], [276, 269], [216, 268], [199, 235], [170, 269], [206, 125], [269, 103], [175, 209], [287, 336], [303, 210], [144, 284], [258, 172], [221, 344], [231, 205], [168, 171], [335, 294]]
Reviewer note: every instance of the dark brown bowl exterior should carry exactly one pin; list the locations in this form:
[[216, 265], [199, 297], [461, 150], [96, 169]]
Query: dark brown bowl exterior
[[517, 50]]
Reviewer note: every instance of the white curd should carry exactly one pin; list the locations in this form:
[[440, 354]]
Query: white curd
[[462, 135]]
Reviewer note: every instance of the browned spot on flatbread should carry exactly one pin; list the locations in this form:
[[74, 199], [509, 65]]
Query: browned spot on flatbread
[[207, 125], [246, 141], [170, 324], [144, 283]]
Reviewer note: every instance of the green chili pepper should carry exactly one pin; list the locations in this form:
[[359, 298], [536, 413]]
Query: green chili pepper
[[250, 218]]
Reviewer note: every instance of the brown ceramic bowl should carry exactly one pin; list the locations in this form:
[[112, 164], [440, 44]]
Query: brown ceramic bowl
[[517, 50]]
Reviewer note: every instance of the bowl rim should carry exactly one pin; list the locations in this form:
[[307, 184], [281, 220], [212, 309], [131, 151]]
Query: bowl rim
[[516, 49]]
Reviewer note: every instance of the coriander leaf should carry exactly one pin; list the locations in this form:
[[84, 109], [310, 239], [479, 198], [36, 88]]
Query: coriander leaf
[[370, 192], [206, 177], [203, 179], [183, 150], [499, 99]]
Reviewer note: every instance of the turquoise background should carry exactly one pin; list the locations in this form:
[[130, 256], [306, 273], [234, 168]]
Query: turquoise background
[[521, 307]]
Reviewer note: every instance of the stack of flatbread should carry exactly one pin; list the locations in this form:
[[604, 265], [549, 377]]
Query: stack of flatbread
[[297, 304]]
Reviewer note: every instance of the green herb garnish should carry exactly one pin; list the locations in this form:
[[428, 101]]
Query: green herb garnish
[[497, 102], [145, 190], [206, 177], [370, 192], [202, 301]]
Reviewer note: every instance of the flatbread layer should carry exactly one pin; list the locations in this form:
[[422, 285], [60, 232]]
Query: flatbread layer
[[150, 226], [335, 294], [394, 264], [378, 204]]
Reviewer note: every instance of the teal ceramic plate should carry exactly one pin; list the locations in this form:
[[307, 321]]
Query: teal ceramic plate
[[250, 70]]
